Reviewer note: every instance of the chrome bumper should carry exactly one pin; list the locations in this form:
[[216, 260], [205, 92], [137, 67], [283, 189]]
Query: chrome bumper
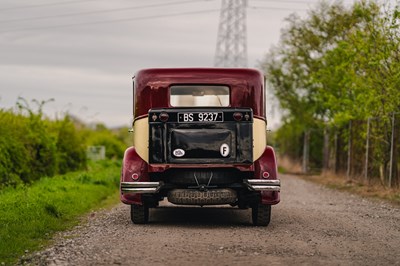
[[263, 184], [140, 187]]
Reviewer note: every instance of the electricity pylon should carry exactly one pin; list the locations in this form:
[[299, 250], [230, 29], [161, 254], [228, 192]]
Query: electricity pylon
[[231, 48]]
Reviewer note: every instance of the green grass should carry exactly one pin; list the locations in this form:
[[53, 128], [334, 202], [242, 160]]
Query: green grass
[[30, 215]]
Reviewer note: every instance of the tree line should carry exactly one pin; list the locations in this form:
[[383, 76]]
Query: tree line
[[33, 146], [336, 66]]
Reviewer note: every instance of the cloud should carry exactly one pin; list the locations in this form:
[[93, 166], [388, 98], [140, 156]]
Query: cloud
[[87, 68], [74, 89]]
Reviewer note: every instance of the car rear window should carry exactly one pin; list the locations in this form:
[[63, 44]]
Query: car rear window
[[199, 95]]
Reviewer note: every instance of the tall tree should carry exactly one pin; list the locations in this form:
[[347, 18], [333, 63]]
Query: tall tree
[[337, 64]]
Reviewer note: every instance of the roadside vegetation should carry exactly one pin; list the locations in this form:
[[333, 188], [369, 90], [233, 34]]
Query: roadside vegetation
[[31, 214], [33, 146], [336, 75], [340, 182], [46, 180], [374, 191]]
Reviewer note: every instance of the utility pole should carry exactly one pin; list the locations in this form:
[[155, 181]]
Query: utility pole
[[231, 50]]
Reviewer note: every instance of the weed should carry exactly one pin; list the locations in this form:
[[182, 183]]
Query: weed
[[52, 210]]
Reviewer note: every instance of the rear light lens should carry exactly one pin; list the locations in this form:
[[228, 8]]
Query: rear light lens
[[164, 117], [135, 176], [265, 175], [238, 116]]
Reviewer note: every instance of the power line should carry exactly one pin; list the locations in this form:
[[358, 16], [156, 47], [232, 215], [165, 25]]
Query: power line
[[301, 2], [48, 4], [278, 8], [99, 11], [288, 1], [113, 21]]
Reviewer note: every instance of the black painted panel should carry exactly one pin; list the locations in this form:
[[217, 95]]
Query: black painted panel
[[202, 143]]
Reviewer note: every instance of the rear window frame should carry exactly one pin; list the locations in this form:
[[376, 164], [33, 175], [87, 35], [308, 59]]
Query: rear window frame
[[223, 86]]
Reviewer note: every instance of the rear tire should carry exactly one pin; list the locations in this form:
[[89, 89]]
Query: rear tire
[[261, 214], [139, 214]]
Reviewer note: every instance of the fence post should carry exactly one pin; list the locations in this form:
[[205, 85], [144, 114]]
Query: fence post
[[326, 150], [306, 149], [349, 152], [336, 161], [367, 150], [392, 152]]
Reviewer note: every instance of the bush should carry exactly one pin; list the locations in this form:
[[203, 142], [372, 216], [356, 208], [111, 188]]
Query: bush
[[101, 136], [17, 148], [70, 146], [41, 147], [32, 147]]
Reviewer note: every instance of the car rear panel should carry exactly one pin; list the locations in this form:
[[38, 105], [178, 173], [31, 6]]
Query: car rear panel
[[200, 136]]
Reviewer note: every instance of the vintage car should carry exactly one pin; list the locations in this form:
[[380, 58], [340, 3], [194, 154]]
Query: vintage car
[[199, 138]]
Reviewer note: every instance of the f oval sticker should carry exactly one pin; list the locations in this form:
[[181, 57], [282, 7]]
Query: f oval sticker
[[224, 150]]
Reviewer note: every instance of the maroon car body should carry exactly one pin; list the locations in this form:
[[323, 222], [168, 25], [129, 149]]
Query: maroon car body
[[199, 139]]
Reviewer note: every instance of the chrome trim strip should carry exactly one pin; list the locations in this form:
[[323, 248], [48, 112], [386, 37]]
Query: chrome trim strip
[[139, 190], [263, 184], [140, 187], [140, 184], [266, 188]]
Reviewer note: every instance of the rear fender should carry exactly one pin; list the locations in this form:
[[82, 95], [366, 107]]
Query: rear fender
[[267, 163], [133, 164]]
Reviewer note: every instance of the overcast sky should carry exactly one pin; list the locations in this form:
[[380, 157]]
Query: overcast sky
[[84, 53]]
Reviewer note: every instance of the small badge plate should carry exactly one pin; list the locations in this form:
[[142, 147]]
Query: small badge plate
[[178, 153], [224, 150]]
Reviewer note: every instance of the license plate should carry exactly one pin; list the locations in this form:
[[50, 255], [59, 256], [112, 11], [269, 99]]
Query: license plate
[[203, 117]]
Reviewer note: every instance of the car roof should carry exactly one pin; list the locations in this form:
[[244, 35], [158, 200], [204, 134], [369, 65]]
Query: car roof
[[151, 86]]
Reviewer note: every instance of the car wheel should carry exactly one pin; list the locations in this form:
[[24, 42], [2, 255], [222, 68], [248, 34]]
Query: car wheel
[[139, 214], [261, 214]]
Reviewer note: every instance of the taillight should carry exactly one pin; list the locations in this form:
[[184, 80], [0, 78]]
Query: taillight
[[238, 116], [135, 176], [164, 117], [265, 175]]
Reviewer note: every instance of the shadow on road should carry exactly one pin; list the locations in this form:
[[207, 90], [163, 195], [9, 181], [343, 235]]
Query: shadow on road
[[195, 216]]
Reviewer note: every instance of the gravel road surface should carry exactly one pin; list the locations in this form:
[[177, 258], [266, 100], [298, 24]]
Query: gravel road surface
[[312, 225]]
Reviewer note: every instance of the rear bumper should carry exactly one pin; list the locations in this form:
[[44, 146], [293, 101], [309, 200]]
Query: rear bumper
[[263, 185], [154, 187]]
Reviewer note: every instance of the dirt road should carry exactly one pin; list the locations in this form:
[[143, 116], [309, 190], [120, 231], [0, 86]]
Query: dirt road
[[311, 226]]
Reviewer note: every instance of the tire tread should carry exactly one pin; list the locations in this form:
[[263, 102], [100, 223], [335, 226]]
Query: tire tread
[[139, 214], [261, 215]]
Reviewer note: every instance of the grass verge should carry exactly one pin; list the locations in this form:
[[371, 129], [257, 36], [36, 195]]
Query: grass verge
[[30, 215], [373, 191]]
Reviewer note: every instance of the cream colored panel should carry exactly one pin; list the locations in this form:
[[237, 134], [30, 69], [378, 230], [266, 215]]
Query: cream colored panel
[[259, 138], [141, 138]]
